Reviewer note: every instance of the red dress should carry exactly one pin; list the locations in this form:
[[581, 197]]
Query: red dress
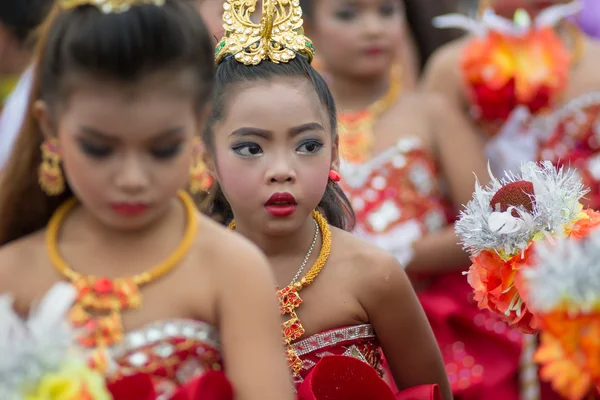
[[398, 198], [172, 353], [355, 341]]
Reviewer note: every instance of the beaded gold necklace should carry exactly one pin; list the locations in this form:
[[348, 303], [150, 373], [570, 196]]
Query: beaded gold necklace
[[356, 128], [101, 300], [289, 299]]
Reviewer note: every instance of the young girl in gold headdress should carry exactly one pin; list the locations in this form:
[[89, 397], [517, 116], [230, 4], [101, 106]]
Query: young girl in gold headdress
[[96, 198], [272, 143]]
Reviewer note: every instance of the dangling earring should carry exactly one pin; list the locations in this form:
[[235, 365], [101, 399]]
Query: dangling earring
[[50, 176], [334, 177], [200, 178]]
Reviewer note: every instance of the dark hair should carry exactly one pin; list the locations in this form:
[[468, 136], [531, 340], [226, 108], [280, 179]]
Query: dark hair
[[419, 16], [21, 17], [334, 204], [121, 47]]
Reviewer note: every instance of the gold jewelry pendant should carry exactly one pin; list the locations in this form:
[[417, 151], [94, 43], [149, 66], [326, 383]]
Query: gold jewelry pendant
[[98, 308]]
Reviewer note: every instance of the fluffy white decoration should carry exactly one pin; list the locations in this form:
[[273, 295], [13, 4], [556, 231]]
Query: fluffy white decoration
[[567, 273], [30, 348], [521, 24], [556, 204]]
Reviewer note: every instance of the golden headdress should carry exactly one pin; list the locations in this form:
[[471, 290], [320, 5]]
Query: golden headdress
[[107, 6], [278, 37]]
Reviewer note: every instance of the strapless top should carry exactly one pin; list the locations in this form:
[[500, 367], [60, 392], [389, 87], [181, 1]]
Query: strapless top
[[357, 341], [396, 194], [172, 352]]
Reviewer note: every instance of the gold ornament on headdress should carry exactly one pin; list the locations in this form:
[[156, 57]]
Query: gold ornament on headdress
[[278, 37], [107, 6]]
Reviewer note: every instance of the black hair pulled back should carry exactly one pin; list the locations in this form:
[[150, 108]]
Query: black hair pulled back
[[126, 46], [334, 205]]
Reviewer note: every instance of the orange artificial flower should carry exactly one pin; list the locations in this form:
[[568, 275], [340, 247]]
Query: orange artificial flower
[[494, 285], [584, 226], [505, 71], [569, 353]]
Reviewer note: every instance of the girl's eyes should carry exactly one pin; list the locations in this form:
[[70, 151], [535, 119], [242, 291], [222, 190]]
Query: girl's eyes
[[100, 151], [95, 151], [253, 150], [310, 147], [166, 152], [247, 149]]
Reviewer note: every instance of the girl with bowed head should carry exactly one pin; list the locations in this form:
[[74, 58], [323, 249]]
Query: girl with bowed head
[[96, 197], [273, 148]]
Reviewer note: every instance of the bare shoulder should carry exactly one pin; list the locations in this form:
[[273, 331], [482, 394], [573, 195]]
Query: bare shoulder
[[442, 73], [227, 252], [432, 103], [447, 57], [22, 260], [372, 268]]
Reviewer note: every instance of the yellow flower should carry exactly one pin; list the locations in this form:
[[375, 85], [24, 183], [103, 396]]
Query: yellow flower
[[75, 381]]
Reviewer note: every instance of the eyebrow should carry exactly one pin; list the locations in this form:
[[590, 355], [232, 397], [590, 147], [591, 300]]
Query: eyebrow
[[266, 134], [106, 136]]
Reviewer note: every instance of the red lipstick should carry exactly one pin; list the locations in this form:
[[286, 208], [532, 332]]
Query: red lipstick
[[374, 51], [281, 205], [129, 209]]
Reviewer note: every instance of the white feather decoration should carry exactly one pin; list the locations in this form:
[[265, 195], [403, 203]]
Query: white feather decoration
[[567, 273], [30, 348], [557, 193], [491, 22]]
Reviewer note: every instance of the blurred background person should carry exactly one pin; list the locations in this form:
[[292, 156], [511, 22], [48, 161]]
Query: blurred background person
[[18, 21], [545, 70]]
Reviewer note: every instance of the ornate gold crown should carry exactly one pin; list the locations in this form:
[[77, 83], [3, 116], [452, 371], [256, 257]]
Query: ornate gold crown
[[278, 37], [107, 6]]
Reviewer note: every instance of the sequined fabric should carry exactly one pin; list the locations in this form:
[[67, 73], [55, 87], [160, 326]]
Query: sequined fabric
[[398, 197], [399, 187], [172, 352], [354, 341], [572, 138]]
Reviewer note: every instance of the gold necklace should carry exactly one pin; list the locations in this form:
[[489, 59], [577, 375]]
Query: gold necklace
[[289, 299], [356, 128], [105, 296]]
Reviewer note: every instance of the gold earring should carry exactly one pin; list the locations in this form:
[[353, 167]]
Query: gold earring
[[50, 176], [200, 178]]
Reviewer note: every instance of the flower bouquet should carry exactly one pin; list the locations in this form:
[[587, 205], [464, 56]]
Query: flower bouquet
[[503, 222], [41, 361], [563, 290], [512, 63]]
